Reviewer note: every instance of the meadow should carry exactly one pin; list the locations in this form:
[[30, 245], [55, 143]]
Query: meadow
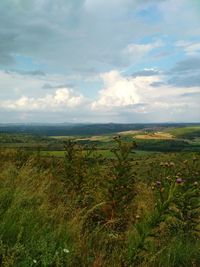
[[116, 200]]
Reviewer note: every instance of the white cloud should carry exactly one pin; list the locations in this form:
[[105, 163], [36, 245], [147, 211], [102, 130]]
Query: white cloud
[[190, 48], [121, 91], [62, 99], [139, 50], [136, 98], [121, 99]]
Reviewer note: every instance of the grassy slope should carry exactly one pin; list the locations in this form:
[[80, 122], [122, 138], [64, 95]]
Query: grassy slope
[[185, 132], [42, 224]]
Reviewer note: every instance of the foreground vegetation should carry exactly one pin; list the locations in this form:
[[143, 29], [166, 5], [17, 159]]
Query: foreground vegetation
[[86, 209]]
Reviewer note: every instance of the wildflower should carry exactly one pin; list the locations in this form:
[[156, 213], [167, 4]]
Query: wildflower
[[65, 250], [158, 183], [34, 261], [179, 181]]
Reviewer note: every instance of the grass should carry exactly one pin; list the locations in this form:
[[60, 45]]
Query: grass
[[53, 153], [86, 210], [185, 132], [60, 213], [99, 152]]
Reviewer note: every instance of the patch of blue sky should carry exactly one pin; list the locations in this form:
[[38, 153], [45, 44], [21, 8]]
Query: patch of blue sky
[[27, 63], [195, 38]]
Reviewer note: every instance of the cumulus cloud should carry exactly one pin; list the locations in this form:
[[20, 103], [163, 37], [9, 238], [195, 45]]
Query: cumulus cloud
[[62, 99], [121, 91], [122, 98], [136, 97]]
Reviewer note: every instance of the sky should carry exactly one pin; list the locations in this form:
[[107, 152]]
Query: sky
[[98, 61]]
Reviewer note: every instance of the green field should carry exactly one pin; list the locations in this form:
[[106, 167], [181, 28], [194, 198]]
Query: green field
[[161, 139], [104, 153], [186, 132]]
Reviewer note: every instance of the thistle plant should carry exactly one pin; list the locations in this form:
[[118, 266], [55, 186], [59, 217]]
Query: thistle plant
[[120, 188], [147, 230], [188, 208], [75, 167]]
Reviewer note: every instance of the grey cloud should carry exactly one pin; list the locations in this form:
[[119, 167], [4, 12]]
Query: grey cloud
[[189, 64], [74, 35], [34, 73], [49, 86], [6, 59], [7, 46], [180, 81], [185, 73], [158, 84], [147, 72], [193, 94], [28, 73], [185, 81]]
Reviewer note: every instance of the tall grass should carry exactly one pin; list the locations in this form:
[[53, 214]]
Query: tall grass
[[86, 210]]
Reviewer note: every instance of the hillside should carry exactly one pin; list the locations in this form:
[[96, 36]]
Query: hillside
[[89, 208]]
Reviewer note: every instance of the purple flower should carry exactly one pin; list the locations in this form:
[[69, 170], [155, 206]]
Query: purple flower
[[179, 181], [158, 183]]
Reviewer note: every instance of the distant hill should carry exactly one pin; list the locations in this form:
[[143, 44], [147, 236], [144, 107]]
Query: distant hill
[[83, 129]]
